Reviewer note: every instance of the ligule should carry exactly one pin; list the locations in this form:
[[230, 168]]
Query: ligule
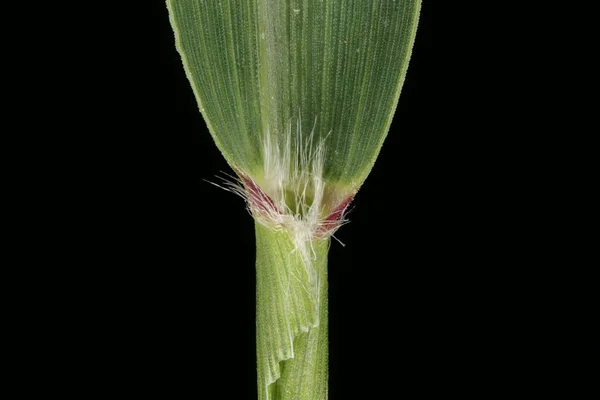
[[292, 194]]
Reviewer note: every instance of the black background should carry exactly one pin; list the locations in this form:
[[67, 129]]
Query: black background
[[165, 288]]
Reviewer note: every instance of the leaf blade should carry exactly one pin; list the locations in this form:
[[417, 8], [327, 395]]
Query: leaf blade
[[267, 64]]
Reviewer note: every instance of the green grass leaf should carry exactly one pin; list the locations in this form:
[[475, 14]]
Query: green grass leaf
[[334, 66], [298, 96]]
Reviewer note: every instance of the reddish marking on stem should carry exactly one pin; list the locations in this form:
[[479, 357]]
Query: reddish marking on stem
[[333, 219], [339, 210], [259, 200]]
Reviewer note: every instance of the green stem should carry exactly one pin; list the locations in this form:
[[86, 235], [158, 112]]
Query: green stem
[[291, 311]]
